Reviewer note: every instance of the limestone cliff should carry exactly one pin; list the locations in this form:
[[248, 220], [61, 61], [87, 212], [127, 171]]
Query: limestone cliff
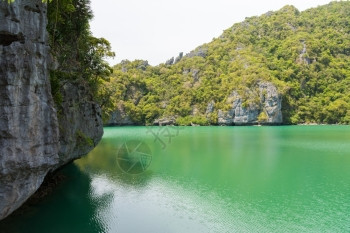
[[268, 102], [80, 123], [33, 141], [262, 105], [28, 122], [119, 117]]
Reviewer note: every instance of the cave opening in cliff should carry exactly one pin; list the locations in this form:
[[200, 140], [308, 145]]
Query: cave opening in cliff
[[7, 39]]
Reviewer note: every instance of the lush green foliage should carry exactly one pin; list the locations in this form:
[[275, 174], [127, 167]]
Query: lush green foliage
[[78, 55], [305, 54]]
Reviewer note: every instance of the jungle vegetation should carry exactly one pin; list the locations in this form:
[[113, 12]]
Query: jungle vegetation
[[305, 54], [78, 56]]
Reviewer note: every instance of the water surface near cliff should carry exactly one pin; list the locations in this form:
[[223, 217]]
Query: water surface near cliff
[[203, 179]]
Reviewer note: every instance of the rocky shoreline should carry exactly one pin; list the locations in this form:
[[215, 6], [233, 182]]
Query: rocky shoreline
[[264, 110]]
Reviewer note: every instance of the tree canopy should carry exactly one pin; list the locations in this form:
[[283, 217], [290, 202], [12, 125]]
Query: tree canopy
[[78, 55], [305, 54]]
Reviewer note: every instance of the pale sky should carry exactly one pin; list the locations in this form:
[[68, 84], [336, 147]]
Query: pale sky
[[156, 30]]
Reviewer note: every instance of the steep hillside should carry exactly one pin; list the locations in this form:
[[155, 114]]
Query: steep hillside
[[284, 63], [39, 133]]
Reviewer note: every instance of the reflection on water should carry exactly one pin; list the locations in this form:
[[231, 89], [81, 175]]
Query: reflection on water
[[69, 209], [206, 179]]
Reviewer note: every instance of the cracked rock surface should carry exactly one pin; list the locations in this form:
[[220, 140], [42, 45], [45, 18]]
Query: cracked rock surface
[[28, 121], [34, 139]]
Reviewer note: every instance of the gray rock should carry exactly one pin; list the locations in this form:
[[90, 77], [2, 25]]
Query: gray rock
[[245, 23], [119, 117], [124, 69], [195, 111], [186, 71], [292, 27], [270, 102], [179, 57], [269, 13], [199, 52], [165, 121], [210, 107], [80, 123], [143, 65], [30, 134], [164, 104], [195, 74], [244, 115], [28, 122], [302, 55], [225, 117], [170, 61]]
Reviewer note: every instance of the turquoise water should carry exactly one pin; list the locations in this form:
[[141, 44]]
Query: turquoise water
[[202, 179]]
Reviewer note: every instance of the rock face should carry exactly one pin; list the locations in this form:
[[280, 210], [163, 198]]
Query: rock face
[[261, 106], [200, 52], [119, 117], [225, 117], [269, 103], [80, 123], [28, 122], [178, 58], [210, 107], [170, 61], [302, 54], [33, 142], [165, 121]]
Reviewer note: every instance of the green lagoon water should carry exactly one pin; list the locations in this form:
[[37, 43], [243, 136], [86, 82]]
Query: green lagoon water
[[203, 179]]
